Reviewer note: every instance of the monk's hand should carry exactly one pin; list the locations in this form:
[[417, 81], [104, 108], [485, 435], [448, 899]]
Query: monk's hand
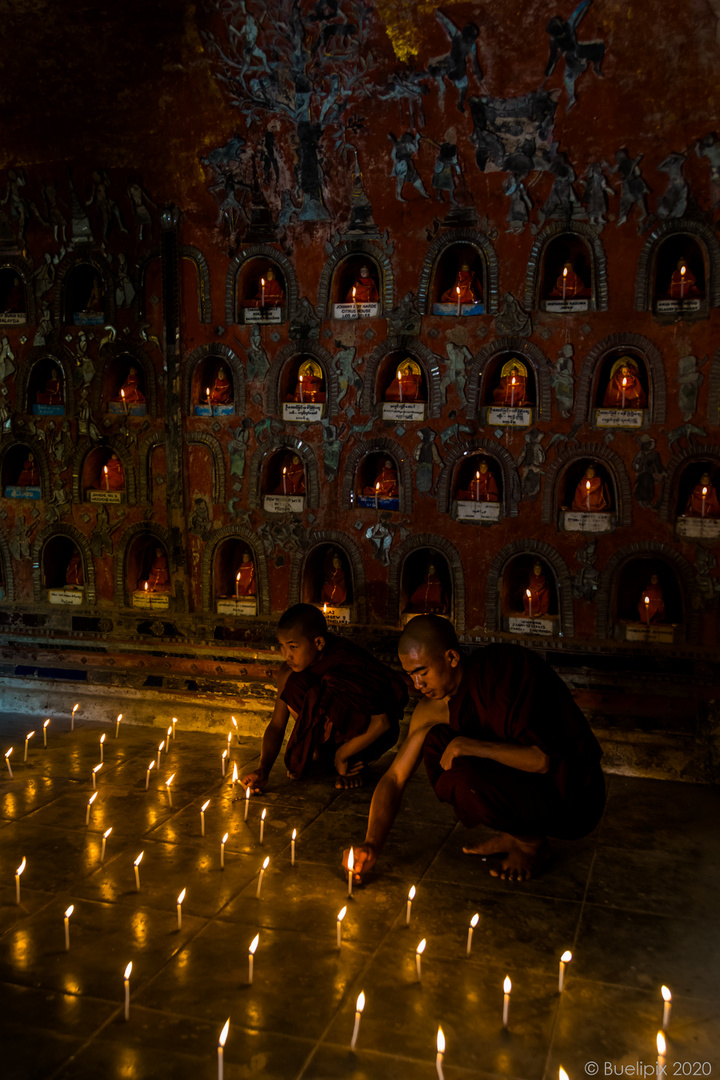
[[365, 857], [256, 781], [341, 763], [457, 748]]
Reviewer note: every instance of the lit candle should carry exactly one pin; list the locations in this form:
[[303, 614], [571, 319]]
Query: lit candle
[[564, 281], [471, 927], [247, 802], [117, 724], [224, 755], [477, 486], [562, 1075], [237, 732], [251, 957], [45, 725], [338, 926], [122, 395], [221, 1044], [207, 391], [507, 987], [167, 788], [223, 842], [667, 1006], [7, 761], [160, 750], [408, 906], [229, 741], [180, 899], [104, 840], [377, 494], [174, 722], [102, 749], [292, 847], [234, 779], [457, 290], [262, 825], [107, 482], [68, 913], [418, 962], [72, 716], [357, 314], [95, 771], [167, 741], [262, 292], [351, 864], [440, 1053], [646, 601], [624, 384], [28, 737], [587, 492], [400, 379], [564, 960], [683, 272], [661, 1049], [128, 971], [702, 506], [359, 1006], [263, 868], [529, 596], [91, 800], [284, 479], [147, 774], [18, 872], [300, 381], [203, 808], [512, 391], [136, 864]]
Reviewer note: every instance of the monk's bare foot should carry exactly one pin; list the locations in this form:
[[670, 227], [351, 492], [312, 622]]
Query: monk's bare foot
[[496, 845], [292, 775], [523, 861], [349, 781]]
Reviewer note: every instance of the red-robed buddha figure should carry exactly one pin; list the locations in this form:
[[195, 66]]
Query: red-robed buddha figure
[[292, 481], [651, 605], [624, 391], [334, 590], [591, 495], [94, 300], [483, 487], [29, 474], [407, 384], [130, 392], [220, 393], [269, 292], [511, 390], [158, 580], [429, 597], [682, 282], [466, 290], [569, 284], [52, 394], [112, 477], [364, 289], [386, 483], [703, 501], [74, 573], [245, 584], [310, 386], [536, 597]]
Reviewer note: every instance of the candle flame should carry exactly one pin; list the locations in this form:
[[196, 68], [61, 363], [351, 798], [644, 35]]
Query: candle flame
[[76, 707], [174, 719], [566, 957], [232, 717], [528, 593], [683, 270], [457, 289], [507, 985], [266, 863], [169, 782], [354, 292], [146, 586], [325, 608], [139, 858], [102, 738], [377, 486], [351, 861], [411, 894], [21, 867], [667, 996], [29, 735], [294, 834], [262, 816], [474, 920], [477, 475], [562, 1075], [301, 378], [224, 1033], [224, 753], [92, 798], [48, 721], [98, 767], [624, 382], [247, 792], [151, 765], [588, 484], [181, 897], [704, 491], [360, 1004], [440, 1041], [254, 944], [69, 911], [107, 833], [421, 947], [122, 394], [647, 599], [161, 745], [8, 752], [512, 381], [235, 773], [105, 469], [119, 718], [262, 282], [128, 970], [284, 469], [661, 1044], [564, 271], [204, 806], [224, 839], [342, 913]]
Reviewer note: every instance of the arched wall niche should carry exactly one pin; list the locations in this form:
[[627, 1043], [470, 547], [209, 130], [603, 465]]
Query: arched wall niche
[[247, 536], [461, 238], [511, 487], [114, 445], [598, 266], [650, 550], [204, 297], [311, 350], [57, 357], [546, 553], [23, 270], [247, 254], [699, 231], [694, 455], [272, 446], [599, 452], [74, 259], [525, 351], [332, 538], [378, 446], [114, 354], [373, 251], [444, 547], [38, 452], [592, 365], [425, 357], [204, 438], [224, 356], [123, 588], [8, 574], [80, 542]]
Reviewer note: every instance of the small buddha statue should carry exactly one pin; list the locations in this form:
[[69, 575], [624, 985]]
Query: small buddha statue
[[483, 487], [220, 393], [703, 501], [158, 580], [293, 478], [74, 573], [682, 282], [130, 392], [269, 292], [651, 605], [94, 300], [15, 300], [29, 474], [407, 384], [310, 386], [52, 394], [624, 391], [386, 482], [112, 477], [536, 597], [466, 290], [429, 597], [364, 290], [334, 590], [569, 285], [511, 390], [591, 495], [245, 584]]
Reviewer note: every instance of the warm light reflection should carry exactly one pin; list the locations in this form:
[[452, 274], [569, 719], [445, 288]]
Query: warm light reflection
[[21, 867]]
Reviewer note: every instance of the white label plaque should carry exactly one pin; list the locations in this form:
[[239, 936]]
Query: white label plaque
[[300, 412], [106, 496], [355, 311], [521, 625], [707, 528], [336, 615], [619, 418], [66, 597], [148, 600], [263, 315], [246, 605], [509, 416], [567, 306], [577, 521], [284, 504], [667, 307], [664, 634], [477, 511], [403, 410]]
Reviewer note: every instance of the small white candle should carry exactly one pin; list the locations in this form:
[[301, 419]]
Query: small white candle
[[262, 292], [377, 494], [359, 1006], [457, 290], [512, 391], [262, 825], [147, 774], [122, 395], [300, 380], [223, 842], [408, 906], [221, 1044], [400, 379], [45, 726], [102, 749], [564, 281], [418, 961], [263, 868], [529, 596], [667, 1006], [224, 756], [137, 871], [203, 808], [117, 724], [284, 479], [471, 927], [251, 957], [292, 847], [91, 800], [661, 1049], [28, 737], [507, 988], [247, 802], [180, 899], [338, 928], [174, 722], [440, 1043], [234, 780], [160, 750], [587, 491], [228, 745], [235, 723], [68, 913], [95, 771], [624, 384], [683, 272], [167, 741], [18, 872], [7, 761], [357, 316], [646, 601], [564, 960], [104, 840], [167, 788], [351, 865], [128, 971], [702, 504], [72, 716]]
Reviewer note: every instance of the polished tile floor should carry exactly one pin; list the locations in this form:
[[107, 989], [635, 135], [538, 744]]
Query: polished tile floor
[[636, 903]]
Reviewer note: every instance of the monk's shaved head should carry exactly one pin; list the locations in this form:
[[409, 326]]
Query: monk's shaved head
[[304, 619], [430, 632]]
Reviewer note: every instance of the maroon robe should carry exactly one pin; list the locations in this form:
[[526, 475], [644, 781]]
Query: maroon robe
[[334, 699]]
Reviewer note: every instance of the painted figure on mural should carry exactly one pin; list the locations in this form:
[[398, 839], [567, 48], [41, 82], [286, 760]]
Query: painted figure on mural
[[29, 475], [651, 605], [269, 291], [577, 54], [292, 481], [520, 205], [594, 194], [386, 482], [536, 595], [511, 392], [52, 394], [633, 187], [364, 289], [15, 297], [569, 285], [407, 384], [334, 590], [221, 390], [112, 476], [74, 572], [466, 290], [447, 166], [624, 390], [403, 154], [591, 495], [454, 66], [245, 583], [130, 392], [483, 486], [674, 200], [158, 580], [429, 597], [140, 202], [703, 500], [683, 284]]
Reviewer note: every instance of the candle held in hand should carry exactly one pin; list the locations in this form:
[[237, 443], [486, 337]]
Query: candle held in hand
[[251, 957], [351, 866], [341, 915], [418, 958], [68, 913], [359, 1006]]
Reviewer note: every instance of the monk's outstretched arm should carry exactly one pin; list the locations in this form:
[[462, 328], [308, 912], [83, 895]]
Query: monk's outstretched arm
[[271, 745], [525, 758]]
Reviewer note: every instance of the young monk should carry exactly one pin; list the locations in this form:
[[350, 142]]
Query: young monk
[[503, 742], [346, 704]]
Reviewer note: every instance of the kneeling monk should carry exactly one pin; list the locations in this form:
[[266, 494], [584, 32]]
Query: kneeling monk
[[346, 704], [503, 742]]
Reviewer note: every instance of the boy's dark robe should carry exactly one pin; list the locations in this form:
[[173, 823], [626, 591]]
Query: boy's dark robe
[[334, 699], [509, 694]]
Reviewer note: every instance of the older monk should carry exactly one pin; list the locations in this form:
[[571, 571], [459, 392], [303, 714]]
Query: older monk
[[503, 742]]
